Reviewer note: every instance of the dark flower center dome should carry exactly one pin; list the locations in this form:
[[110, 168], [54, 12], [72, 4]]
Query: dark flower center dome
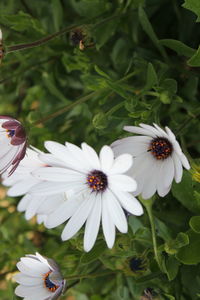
[[97, 181], [49, 284], [160, 148]]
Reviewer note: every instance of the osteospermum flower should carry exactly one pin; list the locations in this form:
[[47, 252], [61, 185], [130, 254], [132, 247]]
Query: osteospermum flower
[[157, 157], [100, 191], [22, 180], [13, 142], [39, 278]]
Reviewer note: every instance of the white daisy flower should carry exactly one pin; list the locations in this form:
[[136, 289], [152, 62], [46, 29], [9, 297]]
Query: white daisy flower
[[13, 143], [157, 158], [39, 278], [22, 180], [101, 191]]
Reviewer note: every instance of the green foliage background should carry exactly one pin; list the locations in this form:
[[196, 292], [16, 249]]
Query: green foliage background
[[140, 64]]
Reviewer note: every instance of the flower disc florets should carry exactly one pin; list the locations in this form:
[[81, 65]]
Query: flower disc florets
[[52, 287], [97, 181], [160, 148]]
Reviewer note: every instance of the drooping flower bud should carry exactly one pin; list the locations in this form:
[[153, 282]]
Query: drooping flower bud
[[13, 143]]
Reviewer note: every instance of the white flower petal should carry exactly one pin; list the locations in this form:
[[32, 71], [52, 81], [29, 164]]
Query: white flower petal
[[33, 206], [168, 174], [49, 188], [63, 212], [57, 174], [121, 164], [130, 203], [151, 129], [150, 186], [184, 161], [50, 160], [139, 130], [34, 264], [78, 156], [106, 157], [40, 293], [51, 203], [177, 167], [22, 187], [27, 280], [79, 218], [116, 212], [134, 145], [23, 203], [107, 224], [27, 270], [92, 224], [122, 182], [91, 156]]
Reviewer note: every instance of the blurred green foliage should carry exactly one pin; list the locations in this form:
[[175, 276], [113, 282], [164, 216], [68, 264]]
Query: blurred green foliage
[[140, 63]]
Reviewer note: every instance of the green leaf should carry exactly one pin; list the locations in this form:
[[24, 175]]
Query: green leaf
[[172, 246], [195, 223], [169, 85], [100, 121], [51, 86], [96, 251], [179, 47], [194, 61], [194, 6], [190, 254], [152, 78], [101, 72], [147, 27], [171, 266], [57, 10], [184, 193]]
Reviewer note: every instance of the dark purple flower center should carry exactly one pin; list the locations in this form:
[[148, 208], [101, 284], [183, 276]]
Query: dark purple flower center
[[97, 181], [49, 284], [11, 133], [136, 264], [160, 148]]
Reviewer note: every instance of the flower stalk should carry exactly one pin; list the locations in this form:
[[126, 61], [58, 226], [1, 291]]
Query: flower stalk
[[148, 205]]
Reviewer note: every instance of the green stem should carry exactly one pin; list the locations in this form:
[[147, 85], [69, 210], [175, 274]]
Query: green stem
[[80, 100], [50, 37], [68, 107], [74, 277], [148, 205]]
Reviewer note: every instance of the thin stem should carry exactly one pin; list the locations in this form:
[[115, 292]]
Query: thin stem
[[148, 204], [89, 275], [40, 42], [68, 107], [44, 40], [79, 101]]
